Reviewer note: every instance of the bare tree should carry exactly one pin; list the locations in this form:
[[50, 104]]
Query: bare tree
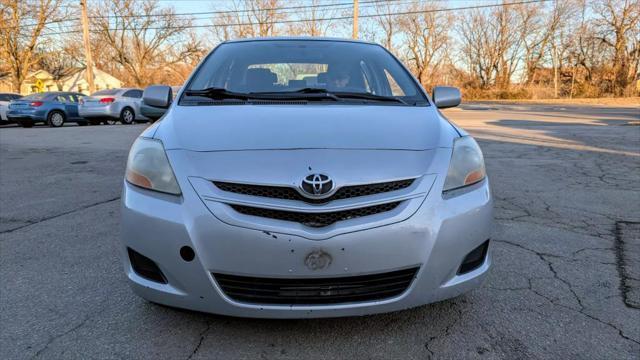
[[387, 21], [478, 49], [427, 38], [22, 23], [59, 63], [541, 30], [492, 44], [617, 21], [176, 72], [249, 18], [138, 35], [311, 19]]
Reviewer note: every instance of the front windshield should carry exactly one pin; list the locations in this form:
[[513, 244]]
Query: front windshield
[[285, 66]]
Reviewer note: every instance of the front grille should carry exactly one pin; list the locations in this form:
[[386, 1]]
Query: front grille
[[315, 291], [288, 193], [315, 219]]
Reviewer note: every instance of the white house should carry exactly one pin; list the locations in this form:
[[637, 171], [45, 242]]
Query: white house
[[75, 80]]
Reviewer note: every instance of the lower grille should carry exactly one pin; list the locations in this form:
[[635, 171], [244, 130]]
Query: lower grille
[[315, 219], [316, 291]]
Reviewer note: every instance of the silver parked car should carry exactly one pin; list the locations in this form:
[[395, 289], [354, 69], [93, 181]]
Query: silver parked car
[[5, 99], [296, 178], [111, 105]]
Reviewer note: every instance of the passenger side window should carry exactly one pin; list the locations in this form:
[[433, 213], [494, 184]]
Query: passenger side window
[[62, 99]]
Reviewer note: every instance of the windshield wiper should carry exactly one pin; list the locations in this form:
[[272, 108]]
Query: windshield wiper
[[221, 94], [300, 94], [367, 96], [342, 95], [217, 94]]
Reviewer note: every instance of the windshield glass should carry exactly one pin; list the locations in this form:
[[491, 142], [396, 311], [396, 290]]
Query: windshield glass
[[285, 66]]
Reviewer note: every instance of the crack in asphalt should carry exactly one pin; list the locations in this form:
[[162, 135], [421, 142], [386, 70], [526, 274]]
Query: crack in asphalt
[[426, 346], [447, 331], [582, 309], [203, 335], [54, 338], [65, 333], [34, 222], [552, 218]]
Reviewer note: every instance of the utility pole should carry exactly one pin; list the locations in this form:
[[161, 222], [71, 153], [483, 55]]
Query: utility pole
[[355, 19], [87, 47]]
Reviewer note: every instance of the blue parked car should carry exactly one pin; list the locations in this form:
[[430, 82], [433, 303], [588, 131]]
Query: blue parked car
[[52, 108]]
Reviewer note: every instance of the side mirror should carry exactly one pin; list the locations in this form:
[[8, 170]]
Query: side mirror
[[157, 96], [446, 97]]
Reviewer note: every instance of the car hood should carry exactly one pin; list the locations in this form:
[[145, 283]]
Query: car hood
[[272, 127]]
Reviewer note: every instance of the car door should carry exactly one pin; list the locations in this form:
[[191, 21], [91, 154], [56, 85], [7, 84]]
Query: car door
[[71, 107], [134, 97], [76, 101], [61, 102]]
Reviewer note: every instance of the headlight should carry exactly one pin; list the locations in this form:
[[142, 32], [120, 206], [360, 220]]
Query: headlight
[[467, 165], [148, 167]]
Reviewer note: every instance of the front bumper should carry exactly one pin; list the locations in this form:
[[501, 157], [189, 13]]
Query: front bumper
[[437, 237]]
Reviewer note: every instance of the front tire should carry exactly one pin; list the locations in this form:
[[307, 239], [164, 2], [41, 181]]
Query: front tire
[[127, 116], [55, 119]]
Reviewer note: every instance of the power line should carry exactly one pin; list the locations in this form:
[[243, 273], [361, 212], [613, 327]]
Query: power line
[[215, 12], [320, 19], [338, 7], [245, 10]]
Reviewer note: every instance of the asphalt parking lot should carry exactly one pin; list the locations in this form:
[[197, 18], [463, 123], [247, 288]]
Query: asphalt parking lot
[[565, 282]]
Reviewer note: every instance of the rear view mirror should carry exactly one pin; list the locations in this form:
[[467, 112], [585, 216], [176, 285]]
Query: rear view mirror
[[158, 96], [446, 97]]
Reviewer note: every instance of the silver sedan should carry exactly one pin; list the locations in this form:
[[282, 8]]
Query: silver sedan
[[298, 178], [111, 105]]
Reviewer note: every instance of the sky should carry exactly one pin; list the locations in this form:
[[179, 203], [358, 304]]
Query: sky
[[187, 6]]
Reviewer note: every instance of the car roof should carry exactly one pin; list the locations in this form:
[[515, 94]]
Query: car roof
[[118, 89], [300, 38]]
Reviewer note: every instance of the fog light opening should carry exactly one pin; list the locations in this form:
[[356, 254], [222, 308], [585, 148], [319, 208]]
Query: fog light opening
[[145, 267], [187, 253], [474, 259]]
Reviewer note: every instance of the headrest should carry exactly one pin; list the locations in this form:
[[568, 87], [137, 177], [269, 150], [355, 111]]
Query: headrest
[[260, 79], [297, 83], [323, 77]]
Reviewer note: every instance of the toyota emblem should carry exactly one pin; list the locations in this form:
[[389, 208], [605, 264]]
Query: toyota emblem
[[317, 185]]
